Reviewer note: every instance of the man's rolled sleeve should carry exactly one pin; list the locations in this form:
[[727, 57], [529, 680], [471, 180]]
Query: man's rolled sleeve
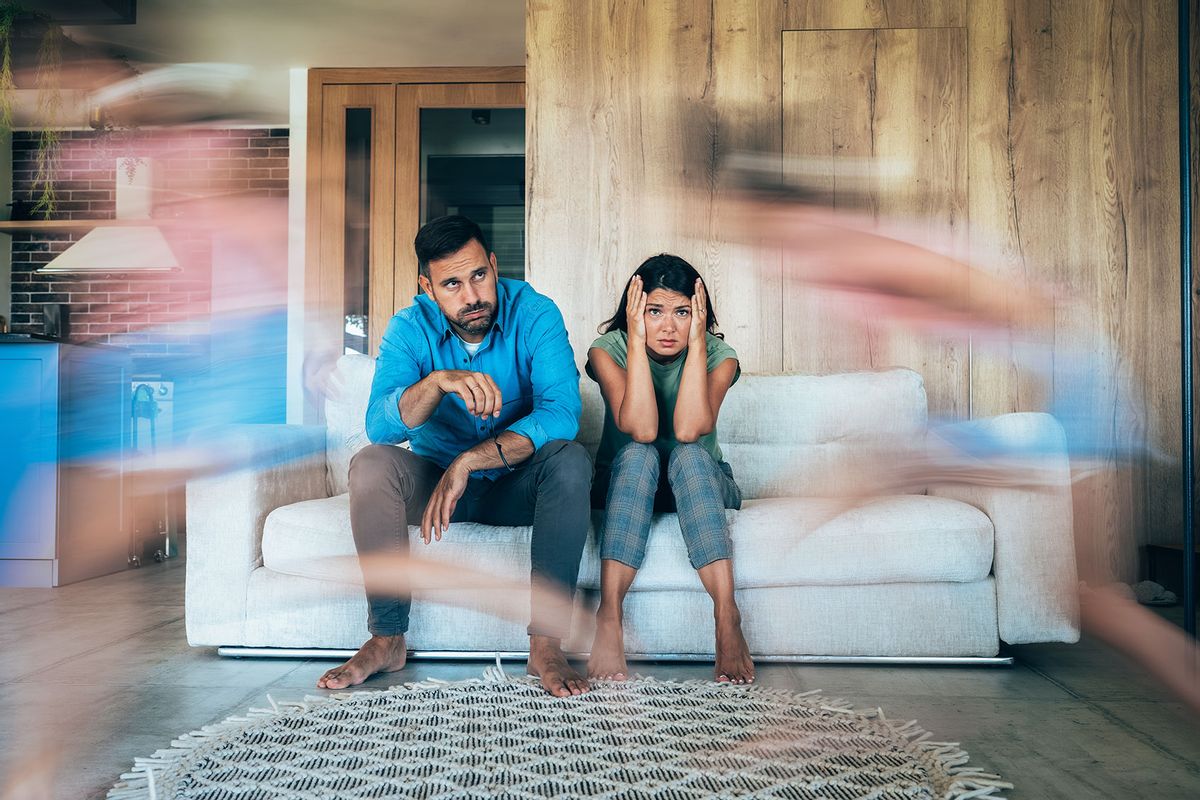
[[396, 369], [555, 381]]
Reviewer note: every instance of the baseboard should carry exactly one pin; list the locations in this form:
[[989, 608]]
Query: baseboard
[[463, 655]]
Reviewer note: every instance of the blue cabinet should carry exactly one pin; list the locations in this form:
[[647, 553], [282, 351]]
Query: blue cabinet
[[64, 420]]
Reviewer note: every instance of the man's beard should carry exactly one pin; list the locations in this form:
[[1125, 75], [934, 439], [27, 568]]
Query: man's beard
[[480, 324]]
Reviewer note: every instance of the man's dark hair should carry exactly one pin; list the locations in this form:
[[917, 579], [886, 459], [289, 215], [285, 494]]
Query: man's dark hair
[[444, 236], [663, 271]]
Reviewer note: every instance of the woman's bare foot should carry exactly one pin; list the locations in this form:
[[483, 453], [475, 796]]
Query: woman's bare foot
[[378, 654], [734, 664], [546, 660], [607, 661]]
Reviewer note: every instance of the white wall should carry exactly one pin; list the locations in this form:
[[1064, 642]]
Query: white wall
[[297, 174]]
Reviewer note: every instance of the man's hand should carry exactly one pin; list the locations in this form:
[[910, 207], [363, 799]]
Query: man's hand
[[477, 390], [443, 501]]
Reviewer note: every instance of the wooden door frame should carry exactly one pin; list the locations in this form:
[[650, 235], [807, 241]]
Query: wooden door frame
[[324, 307]]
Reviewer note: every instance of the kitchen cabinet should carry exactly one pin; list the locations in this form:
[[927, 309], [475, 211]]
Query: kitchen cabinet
[[64, 428]]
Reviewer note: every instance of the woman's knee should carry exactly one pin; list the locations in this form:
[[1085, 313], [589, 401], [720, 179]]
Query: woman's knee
[[687, 458], [637, 456]]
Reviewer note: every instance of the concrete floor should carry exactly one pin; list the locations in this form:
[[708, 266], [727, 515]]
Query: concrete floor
[[94, 674]]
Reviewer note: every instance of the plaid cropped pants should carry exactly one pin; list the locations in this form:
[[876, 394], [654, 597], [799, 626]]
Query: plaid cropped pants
[[696, 485]]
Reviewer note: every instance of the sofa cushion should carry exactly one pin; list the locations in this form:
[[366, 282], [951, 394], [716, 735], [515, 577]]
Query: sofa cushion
[[776, 542], [811, 541]]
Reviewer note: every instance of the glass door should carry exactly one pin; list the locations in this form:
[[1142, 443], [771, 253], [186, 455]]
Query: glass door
[[356, 202], [473, 163], [460, 149]]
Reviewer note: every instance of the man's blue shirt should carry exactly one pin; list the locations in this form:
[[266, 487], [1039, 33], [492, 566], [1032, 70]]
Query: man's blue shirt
[[527, 353]]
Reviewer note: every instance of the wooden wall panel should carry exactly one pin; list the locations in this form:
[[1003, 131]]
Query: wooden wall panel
[[827, 76], [1117, 75], [1195, 193], [1014, 163], [898, 96], [620, 153], [1072, 189], [874, 14], [745, 95], [1145, 165], [1067, 110]]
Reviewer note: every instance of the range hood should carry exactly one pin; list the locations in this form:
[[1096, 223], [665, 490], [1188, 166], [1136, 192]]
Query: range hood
[[115, 249]]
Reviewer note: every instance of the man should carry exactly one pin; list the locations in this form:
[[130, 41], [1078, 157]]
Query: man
[[479, 376]]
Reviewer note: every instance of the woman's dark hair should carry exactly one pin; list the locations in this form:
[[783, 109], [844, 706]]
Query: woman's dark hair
[[663, 271], [445, 236]]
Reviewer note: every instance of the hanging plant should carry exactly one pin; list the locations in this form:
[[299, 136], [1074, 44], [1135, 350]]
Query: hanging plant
[[7, 86], [118, 139], [50, 96], [50, 101]]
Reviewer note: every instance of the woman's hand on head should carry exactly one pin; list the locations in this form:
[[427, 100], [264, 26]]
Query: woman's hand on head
[[635, 309], [696, 335]]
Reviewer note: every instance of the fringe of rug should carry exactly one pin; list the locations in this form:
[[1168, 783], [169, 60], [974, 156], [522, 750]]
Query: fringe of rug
[[967, 782], [140, 783]]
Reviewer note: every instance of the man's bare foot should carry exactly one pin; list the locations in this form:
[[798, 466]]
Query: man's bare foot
[[607, 661], [546, 660], [378, 654], [734, 664]]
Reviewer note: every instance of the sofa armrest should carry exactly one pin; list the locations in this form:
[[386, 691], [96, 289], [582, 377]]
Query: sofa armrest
[[284, 464], [1034, 558]]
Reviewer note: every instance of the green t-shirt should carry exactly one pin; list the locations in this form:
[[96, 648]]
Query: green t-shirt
[[665, 378]]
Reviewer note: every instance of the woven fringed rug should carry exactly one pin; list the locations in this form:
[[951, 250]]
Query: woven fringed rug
[[504, 737]]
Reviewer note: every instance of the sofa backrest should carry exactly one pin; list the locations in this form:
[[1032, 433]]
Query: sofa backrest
[[783, 435], [346, 417], [809, 435]]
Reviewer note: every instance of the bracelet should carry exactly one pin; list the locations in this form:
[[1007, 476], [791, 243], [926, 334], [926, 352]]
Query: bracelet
[[500, 450]]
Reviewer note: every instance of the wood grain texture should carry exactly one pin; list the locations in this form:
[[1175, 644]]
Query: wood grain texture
[[876, 14], [1174, 533], [331, 213], [1115, 75], [1015, 153], [828, 110], [623, 139], [321, 331], [1146, 287], [898, 96], [1068, 179], [381, 268], [395, 75], [745, 94], [392, 266]]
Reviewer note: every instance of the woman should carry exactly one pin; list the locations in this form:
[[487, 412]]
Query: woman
[[664, 374]]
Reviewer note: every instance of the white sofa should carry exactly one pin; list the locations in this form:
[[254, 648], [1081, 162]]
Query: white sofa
[[949, 573]]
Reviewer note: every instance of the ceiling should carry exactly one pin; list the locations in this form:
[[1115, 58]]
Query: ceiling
[[269, 37]]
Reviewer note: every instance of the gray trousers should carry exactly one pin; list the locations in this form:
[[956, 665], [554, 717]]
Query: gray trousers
[[390, 486], [695, 485]]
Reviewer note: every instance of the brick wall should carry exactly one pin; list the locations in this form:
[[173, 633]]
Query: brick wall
[[154, 316]]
